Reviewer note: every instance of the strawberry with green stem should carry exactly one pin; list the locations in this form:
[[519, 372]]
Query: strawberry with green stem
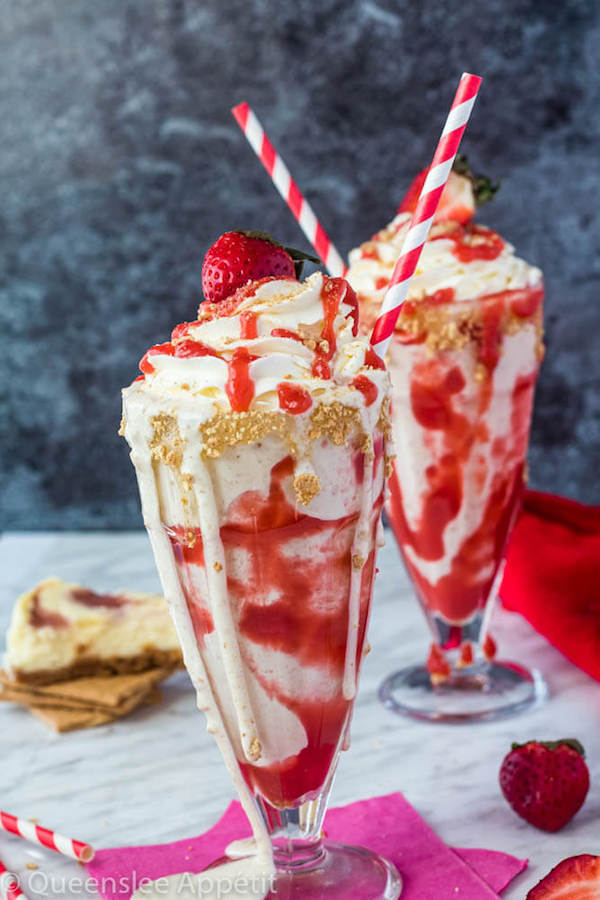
[[238, 257], [463, 194], [545, 782]]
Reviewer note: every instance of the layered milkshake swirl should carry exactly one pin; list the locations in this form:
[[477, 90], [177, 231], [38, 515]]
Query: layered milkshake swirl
[[260, 437], [463, 363]]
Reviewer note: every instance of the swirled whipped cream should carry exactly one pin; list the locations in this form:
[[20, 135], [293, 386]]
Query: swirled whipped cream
[[473, 261], [274, 344]]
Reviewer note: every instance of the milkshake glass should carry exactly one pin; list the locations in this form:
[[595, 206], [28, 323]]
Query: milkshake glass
[[259, 435], [463, 360]]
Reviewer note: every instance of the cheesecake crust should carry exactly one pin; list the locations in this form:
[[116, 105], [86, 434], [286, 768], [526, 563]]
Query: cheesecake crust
[[151, 658]]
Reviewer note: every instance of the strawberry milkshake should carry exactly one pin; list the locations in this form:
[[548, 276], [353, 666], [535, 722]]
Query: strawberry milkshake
[[260, 438], [464, 360]]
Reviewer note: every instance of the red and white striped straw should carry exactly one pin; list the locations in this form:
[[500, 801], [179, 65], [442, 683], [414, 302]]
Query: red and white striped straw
[[289, 190], [9, 886], [441, 165], [46, 838]]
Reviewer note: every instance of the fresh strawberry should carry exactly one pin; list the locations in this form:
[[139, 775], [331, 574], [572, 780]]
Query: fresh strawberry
[[409, 203], [575, 878], [238, 257], [545, 782], [457, 203], [463, 194]]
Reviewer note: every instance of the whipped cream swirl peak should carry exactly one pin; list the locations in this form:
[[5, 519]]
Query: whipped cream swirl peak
[[471, 260], [276, 343]]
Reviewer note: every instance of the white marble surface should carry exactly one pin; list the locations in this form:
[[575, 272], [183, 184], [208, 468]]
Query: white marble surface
[[156, 776]]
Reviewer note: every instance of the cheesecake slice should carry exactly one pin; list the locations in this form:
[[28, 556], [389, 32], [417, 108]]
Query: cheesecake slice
[[61, 631]]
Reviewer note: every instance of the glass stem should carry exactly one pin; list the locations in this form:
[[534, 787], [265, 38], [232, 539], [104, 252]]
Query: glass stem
[[296, 832]]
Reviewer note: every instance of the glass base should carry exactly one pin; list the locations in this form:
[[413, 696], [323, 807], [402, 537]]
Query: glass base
[[341, 872], [488, 691]]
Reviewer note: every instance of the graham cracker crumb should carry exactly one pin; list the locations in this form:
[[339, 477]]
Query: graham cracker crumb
[[481, 373], [334, 421], [384, 422], [306, 486], [453, 325], [122, 426], [31, 865], [166, 445], [367, 447], [255, 750], [226, 429], [389, 466], [310, 332], [217, 567], [358, 561]]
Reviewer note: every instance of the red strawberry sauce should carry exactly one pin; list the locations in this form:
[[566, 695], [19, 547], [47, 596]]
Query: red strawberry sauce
[[331, 296], [292, 598], [293, 398], [367, 388], [473, 242], [248, 326], [449, 412], [239, 386]]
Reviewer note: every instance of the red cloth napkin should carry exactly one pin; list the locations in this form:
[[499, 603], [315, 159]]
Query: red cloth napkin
[[388, 825], [552, 575]]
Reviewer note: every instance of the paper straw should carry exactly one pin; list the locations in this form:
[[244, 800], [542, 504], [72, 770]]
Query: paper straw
[[289, 190], [46, 838], [437, 175], [9, 886]]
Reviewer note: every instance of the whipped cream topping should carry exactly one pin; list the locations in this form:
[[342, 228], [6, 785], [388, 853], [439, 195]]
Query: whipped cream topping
[[372, 265], [299, 332]]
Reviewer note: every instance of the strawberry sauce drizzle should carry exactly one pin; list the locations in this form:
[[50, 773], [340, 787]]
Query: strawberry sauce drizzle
[[286, 333], [332, 293], [239, 386], [159, 349], [182, 330], [293, 600], [187, 349], [293, 398], [367, 388], [473, 242], [453, 438], [373, 360], [230, 305], [248, 325]]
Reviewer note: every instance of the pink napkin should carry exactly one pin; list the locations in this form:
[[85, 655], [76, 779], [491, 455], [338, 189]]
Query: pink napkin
[[388, 825]]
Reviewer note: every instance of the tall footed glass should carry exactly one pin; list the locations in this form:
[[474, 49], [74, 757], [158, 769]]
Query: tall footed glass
[[267, 557], [463, 376]]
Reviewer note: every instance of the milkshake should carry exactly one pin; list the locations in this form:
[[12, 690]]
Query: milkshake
[[463, 360], [260, 438]]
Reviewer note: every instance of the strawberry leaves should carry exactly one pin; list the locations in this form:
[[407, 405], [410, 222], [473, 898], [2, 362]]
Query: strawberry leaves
[[483, 187]]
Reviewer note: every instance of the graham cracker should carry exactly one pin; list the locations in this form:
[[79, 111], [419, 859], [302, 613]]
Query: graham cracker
[[63, 720], [109, 694]]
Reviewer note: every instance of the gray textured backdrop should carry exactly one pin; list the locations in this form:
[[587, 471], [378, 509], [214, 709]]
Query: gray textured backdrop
[[120, 163]]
